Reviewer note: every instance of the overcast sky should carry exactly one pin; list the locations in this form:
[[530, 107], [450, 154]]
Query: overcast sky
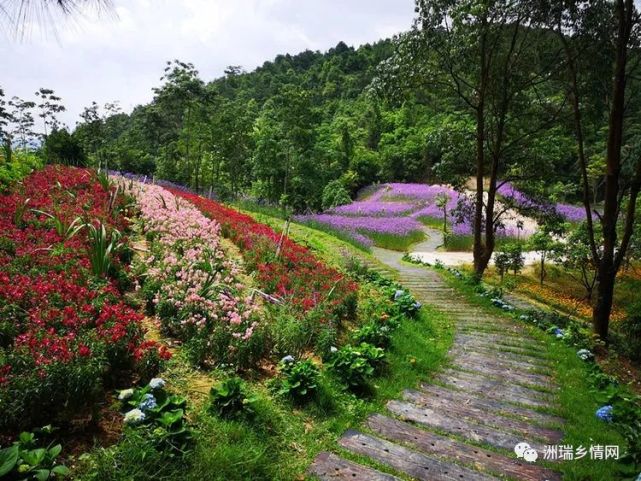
[[122, 56]]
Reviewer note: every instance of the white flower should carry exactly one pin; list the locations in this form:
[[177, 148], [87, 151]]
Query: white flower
[[157, 383], [584, 354], [333, 349], [287, 359], [134, 416], [125, 394]]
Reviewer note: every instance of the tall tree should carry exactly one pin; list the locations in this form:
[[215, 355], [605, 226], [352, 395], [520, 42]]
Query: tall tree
[[488, 54], [23, 121], [50, 105], [5, 136], [601, 39]]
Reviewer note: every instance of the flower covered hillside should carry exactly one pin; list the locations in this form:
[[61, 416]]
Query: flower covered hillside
[[284, 268], [190, 283], [65, 330]]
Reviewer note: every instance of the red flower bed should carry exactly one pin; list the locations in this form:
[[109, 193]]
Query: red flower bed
[[63, 331], [295, 275]]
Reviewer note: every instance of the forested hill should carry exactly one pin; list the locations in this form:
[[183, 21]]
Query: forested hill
[[281, 132]]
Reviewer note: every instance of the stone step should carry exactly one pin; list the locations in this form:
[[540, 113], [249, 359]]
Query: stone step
[[412, 463], [329, 467], [484, 417], [516, 375], [509, 341], [490, 405], [451, 423], [536, 386], [496, 389], [474, 342], [500, 356], [453, 450], [471, 359]]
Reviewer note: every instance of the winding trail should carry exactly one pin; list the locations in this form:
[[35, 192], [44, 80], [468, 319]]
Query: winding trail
[[494, 394]]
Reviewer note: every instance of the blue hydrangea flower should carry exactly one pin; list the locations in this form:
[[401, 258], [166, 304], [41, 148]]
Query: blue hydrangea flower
[[558, 332], [157, 383], [134, 416], [399, 293], [605, 413], [287, 359], [148, 402]]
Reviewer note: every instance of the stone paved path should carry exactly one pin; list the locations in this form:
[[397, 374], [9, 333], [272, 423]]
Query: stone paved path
[[493, 395]]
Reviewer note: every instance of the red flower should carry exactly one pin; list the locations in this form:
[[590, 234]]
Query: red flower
[[84, 351]]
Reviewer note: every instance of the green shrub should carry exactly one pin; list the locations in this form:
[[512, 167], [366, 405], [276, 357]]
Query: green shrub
[[630, 329], [374, 334], [355, 366], [300, 379], [7, 246], [26, 460], [159, 414], [335, 194], [230, 400], [374, 355], [21, 164], [405, 303]]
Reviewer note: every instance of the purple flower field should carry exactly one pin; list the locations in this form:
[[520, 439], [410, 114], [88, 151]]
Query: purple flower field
[[397, 211], [570, 212], [371, 208], [386, 215]]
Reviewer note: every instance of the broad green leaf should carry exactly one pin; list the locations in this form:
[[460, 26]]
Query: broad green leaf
[[8, 459], [61, 471], [55, 451], [42, 474]]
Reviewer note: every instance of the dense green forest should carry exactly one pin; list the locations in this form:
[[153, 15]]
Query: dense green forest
[[286, 130]]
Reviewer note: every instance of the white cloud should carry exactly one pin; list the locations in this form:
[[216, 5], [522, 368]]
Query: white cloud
[[122, 56]]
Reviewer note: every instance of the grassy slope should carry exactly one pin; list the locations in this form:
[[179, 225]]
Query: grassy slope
[[577, 402]]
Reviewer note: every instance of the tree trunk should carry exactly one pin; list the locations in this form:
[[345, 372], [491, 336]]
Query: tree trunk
[[603, 305], [479, 248], [607, 268]]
